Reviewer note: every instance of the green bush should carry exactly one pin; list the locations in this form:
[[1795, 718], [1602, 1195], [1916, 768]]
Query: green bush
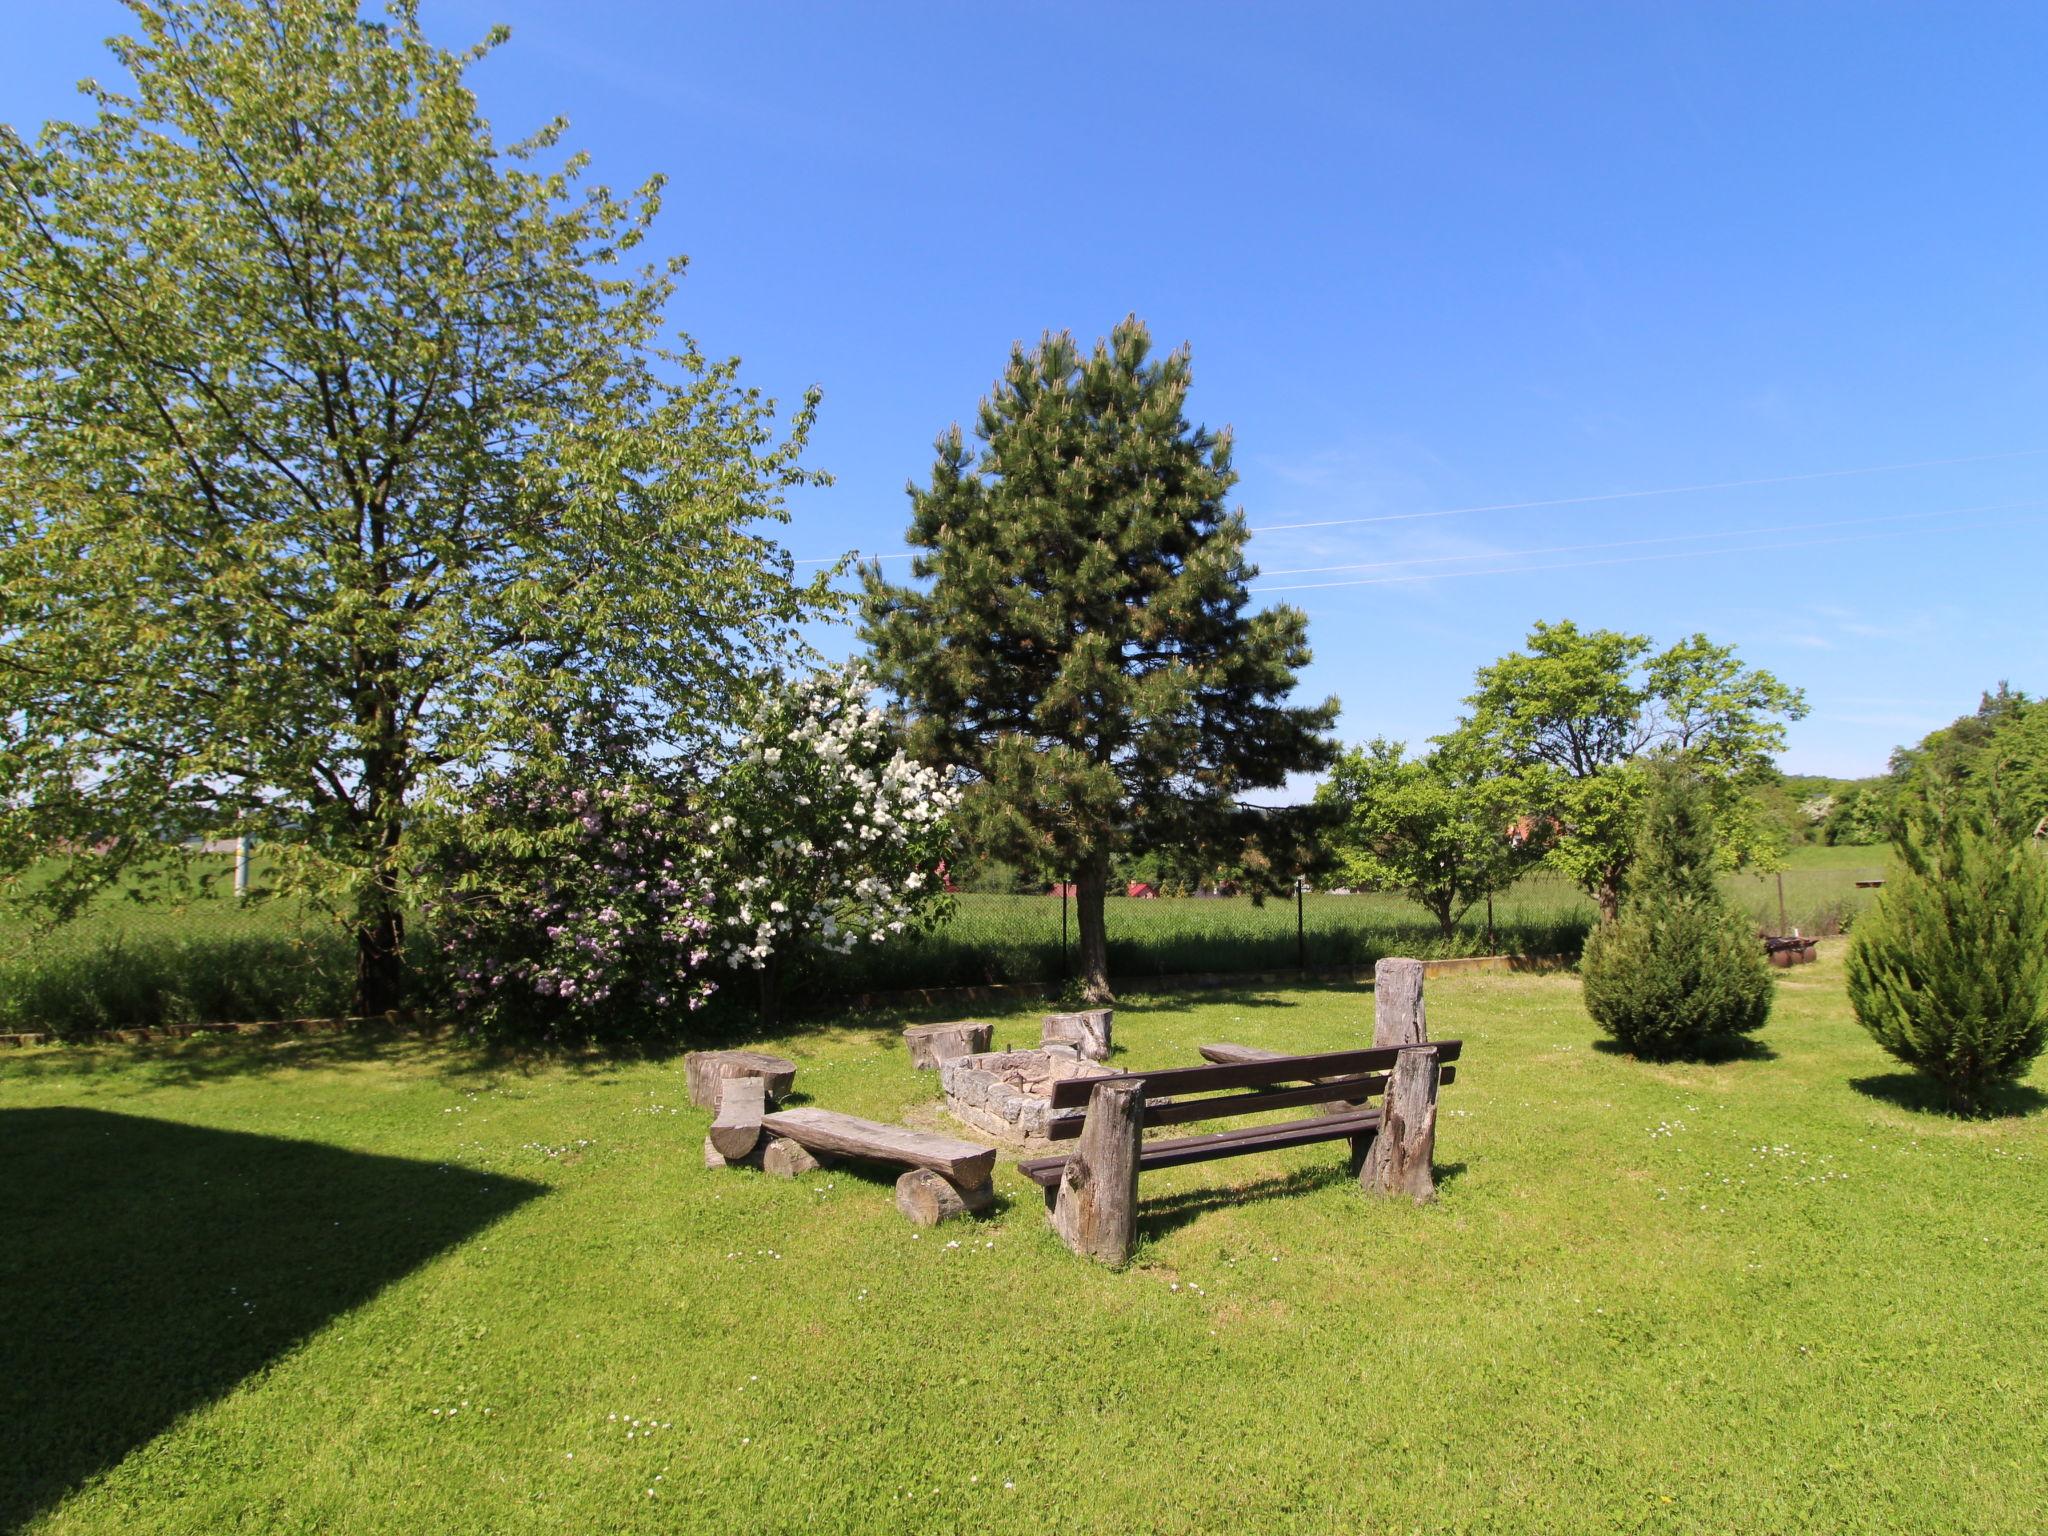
[[1679, 968], [1949, 971]]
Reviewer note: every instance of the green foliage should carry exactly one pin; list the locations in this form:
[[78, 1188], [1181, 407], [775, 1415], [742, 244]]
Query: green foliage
[[569, 906], [1435, 828], [1579, 712], [340, 452], [1949, 972], [1679, 969], [1083, 648], [131, 981]]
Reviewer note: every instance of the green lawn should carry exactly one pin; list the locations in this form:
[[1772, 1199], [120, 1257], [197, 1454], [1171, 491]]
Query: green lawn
[[247, 1283]]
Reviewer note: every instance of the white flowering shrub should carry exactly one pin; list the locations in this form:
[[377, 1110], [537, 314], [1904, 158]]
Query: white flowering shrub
[[830, 836]]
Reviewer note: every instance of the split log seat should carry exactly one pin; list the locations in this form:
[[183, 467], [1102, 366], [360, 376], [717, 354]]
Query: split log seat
[[1342, 1082], [966, 1169]]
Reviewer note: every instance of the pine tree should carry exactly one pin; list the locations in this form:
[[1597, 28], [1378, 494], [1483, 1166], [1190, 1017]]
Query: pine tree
[[1949, 971], [1679, 968], [1082, 647]]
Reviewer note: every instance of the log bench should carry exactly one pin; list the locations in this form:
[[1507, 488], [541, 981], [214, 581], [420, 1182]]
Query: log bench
[[1091, 1194], [946, 1177]]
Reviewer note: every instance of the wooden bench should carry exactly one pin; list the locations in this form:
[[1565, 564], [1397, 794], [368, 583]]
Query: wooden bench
[[1092, 1193], [947, 1177]]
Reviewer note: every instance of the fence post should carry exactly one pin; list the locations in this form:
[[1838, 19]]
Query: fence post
[[1300, 930], [1066, 966]]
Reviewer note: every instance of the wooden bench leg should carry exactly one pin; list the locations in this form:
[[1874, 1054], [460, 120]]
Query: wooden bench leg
[[1399, 1161], [1095, 1210]]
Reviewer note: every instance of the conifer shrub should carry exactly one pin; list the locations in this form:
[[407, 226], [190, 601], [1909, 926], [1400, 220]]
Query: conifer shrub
[[1679, 969], [1949, 970]]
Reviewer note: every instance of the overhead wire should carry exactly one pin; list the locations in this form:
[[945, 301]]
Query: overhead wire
[[1563, 501]]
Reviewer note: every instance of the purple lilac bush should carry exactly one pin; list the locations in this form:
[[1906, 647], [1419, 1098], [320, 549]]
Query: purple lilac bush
[[567, 911]]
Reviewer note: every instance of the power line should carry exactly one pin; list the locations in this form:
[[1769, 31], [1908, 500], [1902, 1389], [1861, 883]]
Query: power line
[[1578, 565], [1672, 538], [1566, 501], [1663, 490]]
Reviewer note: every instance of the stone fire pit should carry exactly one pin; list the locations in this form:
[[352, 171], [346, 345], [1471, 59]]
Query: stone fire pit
[[1008, 1094]]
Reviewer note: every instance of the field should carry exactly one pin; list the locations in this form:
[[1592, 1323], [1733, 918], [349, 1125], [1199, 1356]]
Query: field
[[345, 1284], [209, 958]]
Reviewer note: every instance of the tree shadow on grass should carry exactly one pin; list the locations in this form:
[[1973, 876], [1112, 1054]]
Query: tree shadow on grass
[[1922, 1095], [149, 1266], [1715, 1053]]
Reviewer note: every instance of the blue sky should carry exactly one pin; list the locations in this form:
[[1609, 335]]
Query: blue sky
[[1429, 258]]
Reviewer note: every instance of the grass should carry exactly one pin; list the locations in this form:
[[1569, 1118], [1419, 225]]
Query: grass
[[206, 958], [1774, 1293]]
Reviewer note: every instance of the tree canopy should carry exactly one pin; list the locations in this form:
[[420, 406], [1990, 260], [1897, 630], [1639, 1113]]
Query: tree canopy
[[1580, 711], [1437, 828], [1078, 637], [340, 449]]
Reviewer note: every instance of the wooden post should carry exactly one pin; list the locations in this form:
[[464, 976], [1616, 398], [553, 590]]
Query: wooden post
[[1398, 1162], [1397, 1012], [1087, 1031], [1095, 1210], [742, 1101]]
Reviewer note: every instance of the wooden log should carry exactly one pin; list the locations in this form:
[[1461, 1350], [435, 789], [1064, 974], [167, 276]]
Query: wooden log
[[742, 1101], [928, 1199], [1095, 1210], [1224, 1053], [824, 1130], [706, 1070], [1397, 1011], [713, 1158], [787, 1159], [1399, 1161], [931, 1044], [1087, 1031]]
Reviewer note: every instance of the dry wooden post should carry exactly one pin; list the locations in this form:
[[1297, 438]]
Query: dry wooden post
[[1399, 1160], [931, 1044], [787, 1159], [742, 1101], [1397, 1012], [1095, 1210], [706, 1070], [1087, 1031], [928, 1198]]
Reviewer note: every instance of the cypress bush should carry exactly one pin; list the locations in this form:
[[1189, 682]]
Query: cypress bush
[[1949, 970], [1679, 968]]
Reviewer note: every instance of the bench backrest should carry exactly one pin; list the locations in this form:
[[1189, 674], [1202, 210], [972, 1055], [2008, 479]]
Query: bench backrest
[[1216, 1092]]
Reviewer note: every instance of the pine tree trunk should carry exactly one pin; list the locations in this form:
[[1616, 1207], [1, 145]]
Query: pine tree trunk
[[1090, 887]]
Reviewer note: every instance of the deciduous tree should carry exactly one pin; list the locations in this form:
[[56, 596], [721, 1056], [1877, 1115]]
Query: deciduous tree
[[339, 449], [1580, 711]]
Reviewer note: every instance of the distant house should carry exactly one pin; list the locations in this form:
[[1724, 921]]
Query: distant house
[[1143, 890]]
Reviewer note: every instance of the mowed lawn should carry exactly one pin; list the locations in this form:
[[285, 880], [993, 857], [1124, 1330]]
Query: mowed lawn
[[343, 1286]]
